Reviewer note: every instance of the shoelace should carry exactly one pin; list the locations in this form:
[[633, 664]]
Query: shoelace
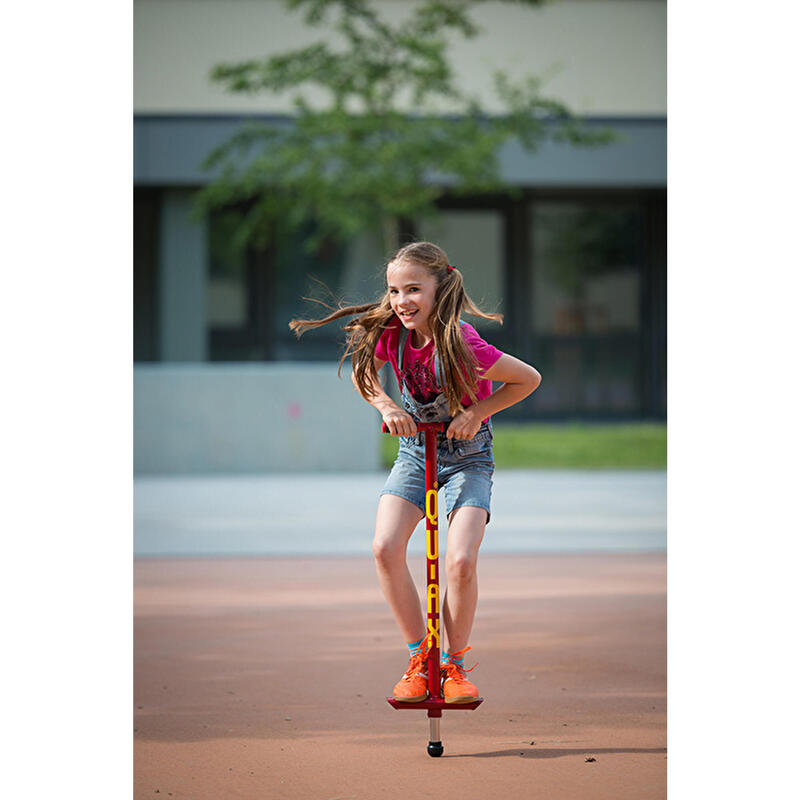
[[416, 663], [455, 671]]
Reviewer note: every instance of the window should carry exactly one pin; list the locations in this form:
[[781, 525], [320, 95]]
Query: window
[[253, 293], [473, 241], [146, 206], [348, 272], [226, 294], [586, 305]]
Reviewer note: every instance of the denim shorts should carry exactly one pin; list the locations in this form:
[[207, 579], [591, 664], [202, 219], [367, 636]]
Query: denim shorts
[[465, 474]]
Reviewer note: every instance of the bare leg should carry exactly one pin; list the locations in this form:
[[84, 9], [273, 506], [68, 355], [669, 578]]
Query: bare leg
[[394, 525], [464, 537]]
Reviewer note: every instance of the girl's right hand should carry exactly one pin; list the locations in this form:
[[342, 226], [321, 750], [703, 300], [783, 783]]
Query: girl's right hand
[[400, 423]]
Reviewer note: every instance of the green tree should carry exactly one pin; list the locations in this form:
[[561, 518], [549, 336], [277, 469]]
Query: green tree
[[362, 161]]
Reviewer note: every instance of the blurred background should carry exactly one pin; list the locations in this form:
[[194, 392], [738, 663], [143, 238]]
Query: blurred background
[[575, 258]]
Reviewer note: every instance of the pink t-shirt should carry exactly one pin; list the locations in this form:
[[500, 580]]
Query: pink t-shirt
[[418, 364]]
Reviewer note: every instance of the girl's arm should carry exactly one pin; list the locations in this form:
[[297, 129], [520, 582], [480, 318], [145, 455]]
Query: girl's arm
[[398, 421], [519, 380]]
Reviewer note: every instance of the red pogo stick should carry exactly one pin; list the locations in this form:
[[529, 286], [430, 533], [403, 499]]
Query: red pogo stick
[[435, 703]]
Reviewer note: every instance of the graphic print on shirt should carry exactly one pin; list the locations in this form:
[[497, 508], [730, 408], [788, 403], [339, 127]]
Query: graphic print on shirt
[[419, 381]]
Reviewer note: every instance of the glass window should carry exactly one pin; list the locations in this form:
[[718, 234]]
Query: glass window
[[349, 272], [253, 293], [226, 292], [586, 303], [473, 241], [146, 209]]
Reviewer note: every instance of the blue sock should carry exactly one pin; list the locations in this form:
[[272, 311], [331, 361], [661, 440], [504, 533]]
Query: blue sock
[[414, 647], [454, 659]]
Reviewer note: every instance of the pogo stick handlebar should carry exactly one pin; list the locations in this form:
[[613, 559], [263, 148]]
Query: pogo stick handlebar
[[434, 427]]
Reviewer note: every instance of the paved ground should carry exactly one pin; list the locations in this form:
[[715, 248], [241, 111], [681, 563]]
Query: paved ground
[[267, 677], [323, 514]]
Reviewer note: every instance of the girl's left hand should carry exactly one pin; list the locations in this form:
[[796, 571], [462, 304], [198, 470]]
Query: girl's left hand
[[464, 425]]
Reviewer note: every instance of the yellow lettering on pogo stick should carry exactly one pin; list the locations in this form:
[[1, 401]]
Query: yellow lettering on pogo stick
[[431, 511], [433, 598], [433, 544], [433, 634], [431, 505], [433, 605]]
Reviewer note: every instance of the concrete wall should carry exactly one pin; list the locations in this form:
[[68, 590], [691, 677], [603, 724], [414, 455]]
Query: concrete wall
[[240, 418], [603, 57]]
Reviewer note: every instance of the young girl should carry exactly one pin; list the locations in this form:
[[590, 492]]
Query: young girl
[[445, 372]]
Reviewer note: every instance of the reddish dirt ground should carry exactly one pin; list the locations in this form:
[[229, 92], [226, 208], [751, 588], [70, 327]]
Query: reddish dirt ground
[[267, 678]]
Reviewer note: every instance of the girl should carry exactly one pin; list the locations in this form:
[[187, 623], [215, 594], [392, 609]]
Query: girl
[[445, 372]]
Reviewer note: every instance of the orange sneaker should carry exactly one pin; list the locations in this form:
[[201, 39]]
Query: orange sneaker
[[413, 686], [455, 686]]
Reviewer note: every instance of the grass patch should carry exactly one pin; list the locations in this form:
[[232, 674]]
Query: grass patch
[[570, 446]]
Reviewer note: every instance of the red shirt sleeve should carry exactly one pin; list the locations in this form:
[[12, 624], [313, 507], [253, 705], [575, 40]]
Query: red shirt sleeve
[[485, 354], [386, 349], [382, 348]]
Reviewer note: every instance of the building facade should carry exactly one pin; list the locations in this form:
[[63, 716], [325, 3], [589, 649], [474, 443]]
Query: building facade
[[576, 261]]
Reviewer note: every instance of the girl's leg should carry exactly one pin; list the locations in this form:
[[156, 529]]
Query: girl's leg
[[464, 536], [394, 525]]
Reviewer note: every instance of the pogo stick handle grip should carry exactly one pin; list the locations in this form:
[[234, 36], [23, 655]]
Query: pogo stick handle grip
[[421, 426]]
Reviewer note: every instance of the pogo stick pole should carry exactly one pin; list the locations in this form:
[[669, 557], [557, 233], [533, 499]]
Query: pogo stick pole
[[432, 578]]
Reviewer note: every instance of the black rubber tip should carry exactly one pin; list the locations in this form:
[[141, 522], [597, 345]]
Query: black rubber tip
[[435, 749]]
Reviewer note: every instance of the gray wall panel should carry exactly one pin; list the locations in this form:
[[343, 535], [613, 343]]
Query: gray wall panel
[[168, 151], [244, 418]]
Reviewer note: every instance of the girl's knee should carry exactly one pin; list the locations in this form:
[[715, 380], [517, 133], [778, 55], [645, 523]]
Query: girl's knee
[[388, 552], [396, 521], [461, 566]]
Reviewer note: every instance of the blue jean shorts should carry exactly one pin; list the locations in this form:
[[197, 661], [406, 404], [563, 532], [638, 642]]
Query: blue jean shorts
[[465, 474]]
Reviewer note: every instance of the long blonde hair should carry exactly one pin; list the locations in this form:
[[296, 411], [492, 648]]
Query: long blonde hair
[[457, 362]]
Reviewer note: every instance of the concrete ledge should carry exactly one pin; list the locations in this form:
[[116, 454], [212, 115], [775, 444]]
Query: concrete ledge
[[246, 418]]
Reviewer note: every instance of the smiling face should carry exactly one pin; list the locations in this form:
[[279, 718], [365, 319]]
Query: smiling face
[[412, 293]]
